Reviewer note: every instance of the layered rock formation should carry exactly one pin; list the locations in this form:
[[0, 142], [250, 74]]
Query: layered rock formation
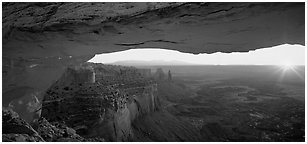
[[74, 29], [41, 39], [105, 108]]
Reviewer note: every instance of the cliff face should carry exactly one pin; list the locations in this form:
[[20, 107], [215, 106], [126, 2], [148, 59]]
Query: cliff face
[[41, 39], [119, 104], [105, 108]]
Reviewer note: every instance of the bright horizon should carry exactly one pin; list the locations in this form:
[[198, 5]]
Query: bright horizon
[[278, 55]]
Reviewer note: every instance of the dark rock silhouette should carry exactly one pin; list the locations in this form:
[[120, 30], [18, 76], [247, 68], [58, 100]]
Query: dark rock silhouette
[[169, 76], [51, 133], [17, 129], [161, 76]]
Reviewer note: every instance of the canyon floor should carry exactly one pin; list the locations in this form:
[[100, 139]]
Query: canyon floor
[[198, 103], [238, 103]]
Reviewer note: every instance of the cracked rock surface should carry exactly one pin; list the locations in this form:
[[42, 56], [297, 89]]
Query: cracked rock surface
[[74, 29], [16, 129], [41, 39]]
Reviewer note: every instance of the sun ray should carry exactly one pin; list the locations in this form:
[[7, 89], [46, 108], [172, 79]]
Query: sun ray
[[288, 68]]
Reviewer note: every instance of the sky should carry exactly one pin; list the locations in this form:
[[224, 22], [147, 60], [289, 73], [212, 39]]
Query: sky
[[279, 55]]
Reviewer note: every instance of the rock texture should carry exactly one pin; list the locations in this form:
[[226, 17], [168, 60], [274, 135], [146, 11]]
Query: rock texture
[[16, 129], [105, 108], [74, 29], [164, 127], [41, 39], [60, 132]]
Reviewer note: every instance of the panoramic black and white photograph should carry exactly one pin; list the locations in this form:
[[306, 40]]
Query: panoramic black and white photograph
[[153, 71]]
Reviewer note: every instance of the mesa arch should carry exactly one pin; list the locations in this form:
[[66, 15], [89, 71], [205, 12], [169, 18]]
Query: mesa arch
[[41, 39]]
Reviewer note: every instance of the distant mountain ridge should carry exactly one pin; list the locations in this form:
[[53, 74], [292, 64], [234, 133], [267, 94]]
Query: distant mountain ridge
[[150, 63]]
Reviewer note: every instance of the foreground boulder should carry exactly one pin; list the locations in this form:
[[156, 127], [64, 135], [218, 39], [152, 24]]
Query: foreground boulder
[[60, 132], [18, 138], [17, 129]]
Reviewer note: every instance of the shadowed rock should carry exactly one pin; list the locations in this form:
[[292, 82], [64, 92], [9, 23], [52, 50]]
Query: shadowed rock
[[42, 39], [58, 133], [17, 129]]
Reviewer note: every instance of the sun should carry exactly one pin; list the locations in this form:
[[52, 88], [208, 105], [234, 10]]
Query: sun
[[287, 66], [287, 69], [284, 69]]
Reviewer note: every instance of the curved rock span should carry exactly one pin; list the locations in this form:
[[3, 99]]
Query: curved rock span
[[42, 39], [40, 30]]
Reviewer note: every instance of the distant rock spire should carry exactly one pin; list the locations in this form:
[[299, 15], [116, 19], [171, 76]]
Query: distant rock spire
[[169, 75], [160, 74]]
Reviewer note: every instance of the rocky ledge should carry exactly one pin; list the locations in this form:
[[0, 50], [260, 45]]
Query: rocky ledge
[[100, 101], [17, 129], [42, 39]]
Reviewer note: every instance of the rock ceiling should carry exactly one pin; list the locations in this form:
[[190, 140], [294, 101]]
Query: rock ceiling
[[57, 34], [38, 30]]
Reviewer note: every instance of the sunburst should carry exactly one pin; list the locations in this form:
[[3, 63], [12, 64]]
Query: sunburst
[[288, 68]]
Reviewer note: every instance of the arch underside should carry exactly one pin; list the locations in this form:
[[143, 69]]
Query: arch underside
[[41, 39]]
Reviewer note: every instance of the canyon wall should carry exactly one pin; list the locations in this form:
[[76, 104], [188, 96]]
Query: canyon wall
[[41, 39], [105, 108]]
